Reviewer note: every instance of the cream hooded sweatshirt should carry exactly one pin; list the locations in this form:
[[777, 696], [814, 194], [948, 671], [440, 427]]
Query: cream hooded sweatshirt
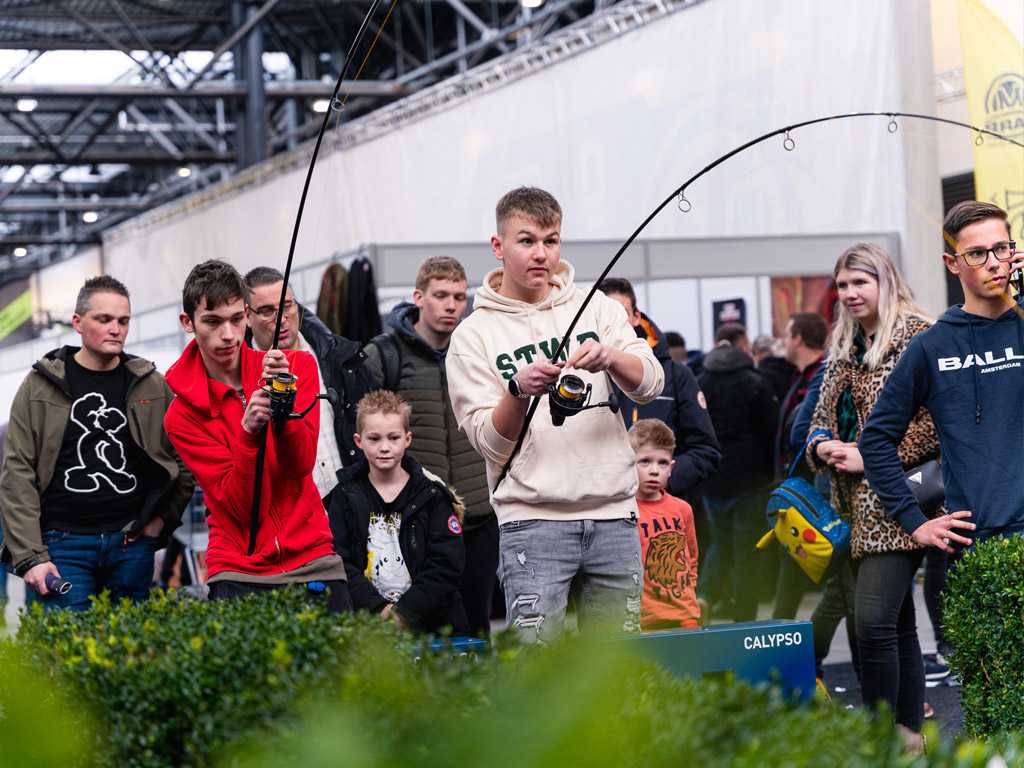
[[582, 470]]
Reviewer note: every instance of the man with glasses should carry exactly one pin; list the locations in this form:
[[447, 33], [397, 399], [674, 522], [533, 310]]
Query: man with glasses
[[968, 370], [339, 366]]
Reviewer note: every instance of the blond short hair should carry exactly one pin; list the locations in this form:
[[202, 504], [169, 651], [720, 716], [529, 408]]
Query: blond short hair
[[532, 203], [439, 268], [384, 402], [654, 433]]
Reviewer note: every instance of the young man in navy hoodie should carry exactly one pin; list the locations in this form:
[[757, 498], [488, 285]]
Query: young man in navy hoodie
[[968, 370]]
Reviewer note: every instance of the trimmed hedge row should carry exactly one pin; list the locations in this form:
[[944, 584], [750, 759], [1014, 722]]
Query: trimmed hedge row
[[274, 681]]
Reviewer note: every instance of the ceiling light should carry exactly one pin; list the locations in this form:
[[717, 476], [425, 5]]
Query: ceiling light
[[27, 105], [90, 216], [184, 171], [531, 3], [19, 252], [321, 105]]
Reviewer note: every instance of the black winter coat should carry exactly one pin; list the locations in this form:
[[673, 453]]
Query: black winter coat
[[430, 538], [341, 366], [746, 416], [681, 405]]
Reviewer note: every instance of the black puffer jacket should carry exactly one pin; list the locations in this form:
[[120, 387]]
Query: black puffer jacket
[[437, 442], [342, 367], [680, 405], [746, 416], [430, 538]]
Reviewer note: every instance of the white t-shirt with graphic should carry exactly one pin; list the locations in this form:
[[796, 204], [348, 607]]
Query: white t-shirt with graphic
[[385, 566]]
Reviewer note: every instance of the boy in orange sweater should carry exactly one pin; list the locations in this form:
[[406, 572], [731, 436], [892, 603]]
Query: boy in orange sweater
[[668, 544]]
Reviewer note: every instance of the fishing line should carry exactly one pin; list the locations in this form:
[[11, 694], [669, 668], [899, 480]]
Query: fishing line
[[679, 194]]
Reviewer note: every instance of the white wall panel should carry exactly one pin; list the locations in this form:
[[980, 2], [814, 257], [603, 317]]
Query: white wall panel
[[611, 132]]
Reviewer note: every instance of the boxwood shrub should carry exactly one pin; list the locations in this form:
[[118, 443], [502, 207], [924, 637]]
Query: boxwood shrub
[[273, 681], [984, 622], [178, 682]]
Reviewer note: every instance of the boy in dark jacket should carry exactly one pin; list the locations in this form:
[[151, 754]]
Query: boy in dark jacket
[[398, 528], [681, 403]]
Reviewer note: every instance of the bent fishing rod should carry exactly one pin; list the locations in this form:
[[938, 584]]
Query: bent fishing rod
[[684, 205], [283, 392]]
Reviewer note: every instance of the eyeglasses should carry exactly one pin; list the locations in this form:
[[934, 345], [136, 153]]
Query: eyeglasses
[[976, 257], [269, 314]]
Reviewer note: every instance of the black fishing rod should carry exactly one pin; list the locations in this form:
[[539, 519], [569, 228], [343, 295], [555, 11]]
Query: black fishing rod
[[282, 393], [684, 205]]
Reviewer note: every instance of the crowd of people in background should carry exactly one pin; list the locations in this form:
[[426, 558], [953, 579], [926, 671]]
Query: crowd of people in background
[[415, 476]]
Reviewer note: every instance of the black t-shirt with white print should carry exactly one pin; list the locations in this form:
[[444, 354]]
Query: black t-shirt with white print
[[99, 483]]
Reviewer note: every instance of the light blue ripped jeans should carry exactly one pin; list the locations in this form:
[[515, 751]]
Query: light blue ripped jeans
[[540, 560]]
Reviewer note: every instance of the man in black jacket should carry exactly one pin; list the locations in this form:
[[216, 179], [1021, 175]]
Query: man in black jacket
[[339, 360], [681, 404], [745, 415]]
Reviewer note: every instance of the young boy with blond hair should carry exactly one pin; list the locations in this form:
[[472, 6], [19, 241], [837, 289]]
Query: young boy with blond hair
[[668, 543], [397, 527]]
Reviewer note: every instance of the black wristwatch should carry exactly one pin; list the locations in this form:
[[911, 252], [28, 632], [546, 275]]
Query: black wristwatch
[[516, 390]]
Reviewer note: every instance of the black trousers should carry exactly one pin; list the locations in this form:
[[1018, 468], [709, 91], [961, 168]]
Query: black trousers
[[480, 575], [336, 595]]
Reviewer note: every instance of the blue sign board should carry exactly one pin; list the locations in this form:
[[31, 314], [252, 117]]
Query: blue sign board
[[754, 651]]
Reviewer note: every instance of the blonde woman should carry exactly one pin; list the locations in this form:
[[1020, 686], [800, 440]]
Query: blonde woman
[[877, 318]]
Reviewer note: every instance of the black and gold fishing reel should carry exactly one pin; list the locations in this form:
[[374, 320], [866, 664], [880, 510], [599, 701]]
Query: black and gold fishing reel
[[569, 396], [282, 389]]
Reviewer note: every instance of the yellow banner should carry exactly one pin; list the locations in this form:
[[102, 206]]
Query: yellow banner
[[14, 314], [994, 77]]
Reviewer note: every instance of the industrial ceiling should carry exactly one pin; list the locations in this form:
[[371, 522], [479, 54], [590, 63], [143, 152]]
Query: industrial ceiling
[[208, 87]]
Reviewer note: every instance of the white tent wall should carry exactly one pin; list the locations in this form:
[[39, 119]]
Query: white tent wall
[[611, 132]]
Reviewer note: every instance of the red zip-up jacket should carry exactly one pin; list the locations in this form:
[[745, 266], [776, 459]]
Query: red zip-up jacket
[[204, 423]]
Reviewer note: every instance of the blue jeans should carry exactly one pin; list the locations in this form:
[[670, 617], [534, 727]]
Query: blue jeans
[[891, 666], [97, 561], [541, 559], [3, 582], [733, 565]]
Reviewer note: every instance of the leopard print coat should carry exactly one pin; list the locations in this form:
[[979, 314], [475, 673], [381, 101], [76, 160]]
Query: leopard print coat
[[873, 531]]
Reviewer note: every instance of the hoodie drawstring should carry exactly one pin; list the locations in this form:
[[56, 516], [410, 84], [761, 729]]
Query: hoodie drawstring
[[977, 382]]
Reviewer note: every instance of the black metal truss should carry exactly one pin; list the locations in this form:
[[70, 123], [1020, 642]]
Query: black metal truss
[[170, 126]]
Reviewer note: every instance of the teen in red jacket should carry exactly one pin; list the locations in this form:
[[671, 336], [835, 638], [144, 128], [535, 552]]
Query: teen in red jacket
[[214, 423]]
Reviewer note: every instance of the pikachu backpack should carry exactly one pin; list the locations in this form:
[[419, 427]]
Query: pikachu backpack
[[805, 524]]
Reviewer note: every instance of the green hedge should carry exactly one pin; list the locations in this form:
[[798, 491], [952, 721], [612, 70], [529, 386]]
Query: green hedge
[[179, 682], [271, 681], [984, 622]]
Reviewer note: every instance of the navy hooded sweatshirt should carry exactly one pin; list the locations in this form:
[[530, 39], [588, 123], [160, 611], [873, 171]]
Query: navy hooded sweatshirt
[[968, 371]]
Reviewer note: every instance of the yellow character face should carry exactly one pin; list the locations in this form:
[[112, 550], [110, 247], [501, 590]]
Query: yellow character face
[[811, 551]]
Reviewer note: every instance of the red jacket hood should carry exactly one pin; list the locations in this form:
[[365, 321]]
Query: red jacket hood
[[188, 380], [204, 425]]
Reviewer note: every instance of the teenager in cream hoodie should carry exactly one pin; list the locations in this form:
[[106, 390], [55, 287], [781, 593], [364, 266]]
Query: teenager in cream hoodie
[[567, 507]]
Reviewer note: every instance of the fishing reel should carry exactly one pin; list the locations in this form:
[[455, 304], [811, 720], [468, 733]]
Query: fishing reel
[[282, 389], [569, 396]]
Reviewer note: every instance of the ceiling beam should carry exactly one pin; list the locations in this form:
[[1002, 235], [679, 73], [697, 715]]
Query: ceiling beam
[[275, 89], [235, 36], [70, 238], [117, 158], [21, 204]]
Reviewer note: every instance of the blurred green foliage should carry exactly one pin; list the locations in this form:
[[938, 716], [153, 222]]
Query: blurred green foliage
[[274, 681], [984, 622]]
